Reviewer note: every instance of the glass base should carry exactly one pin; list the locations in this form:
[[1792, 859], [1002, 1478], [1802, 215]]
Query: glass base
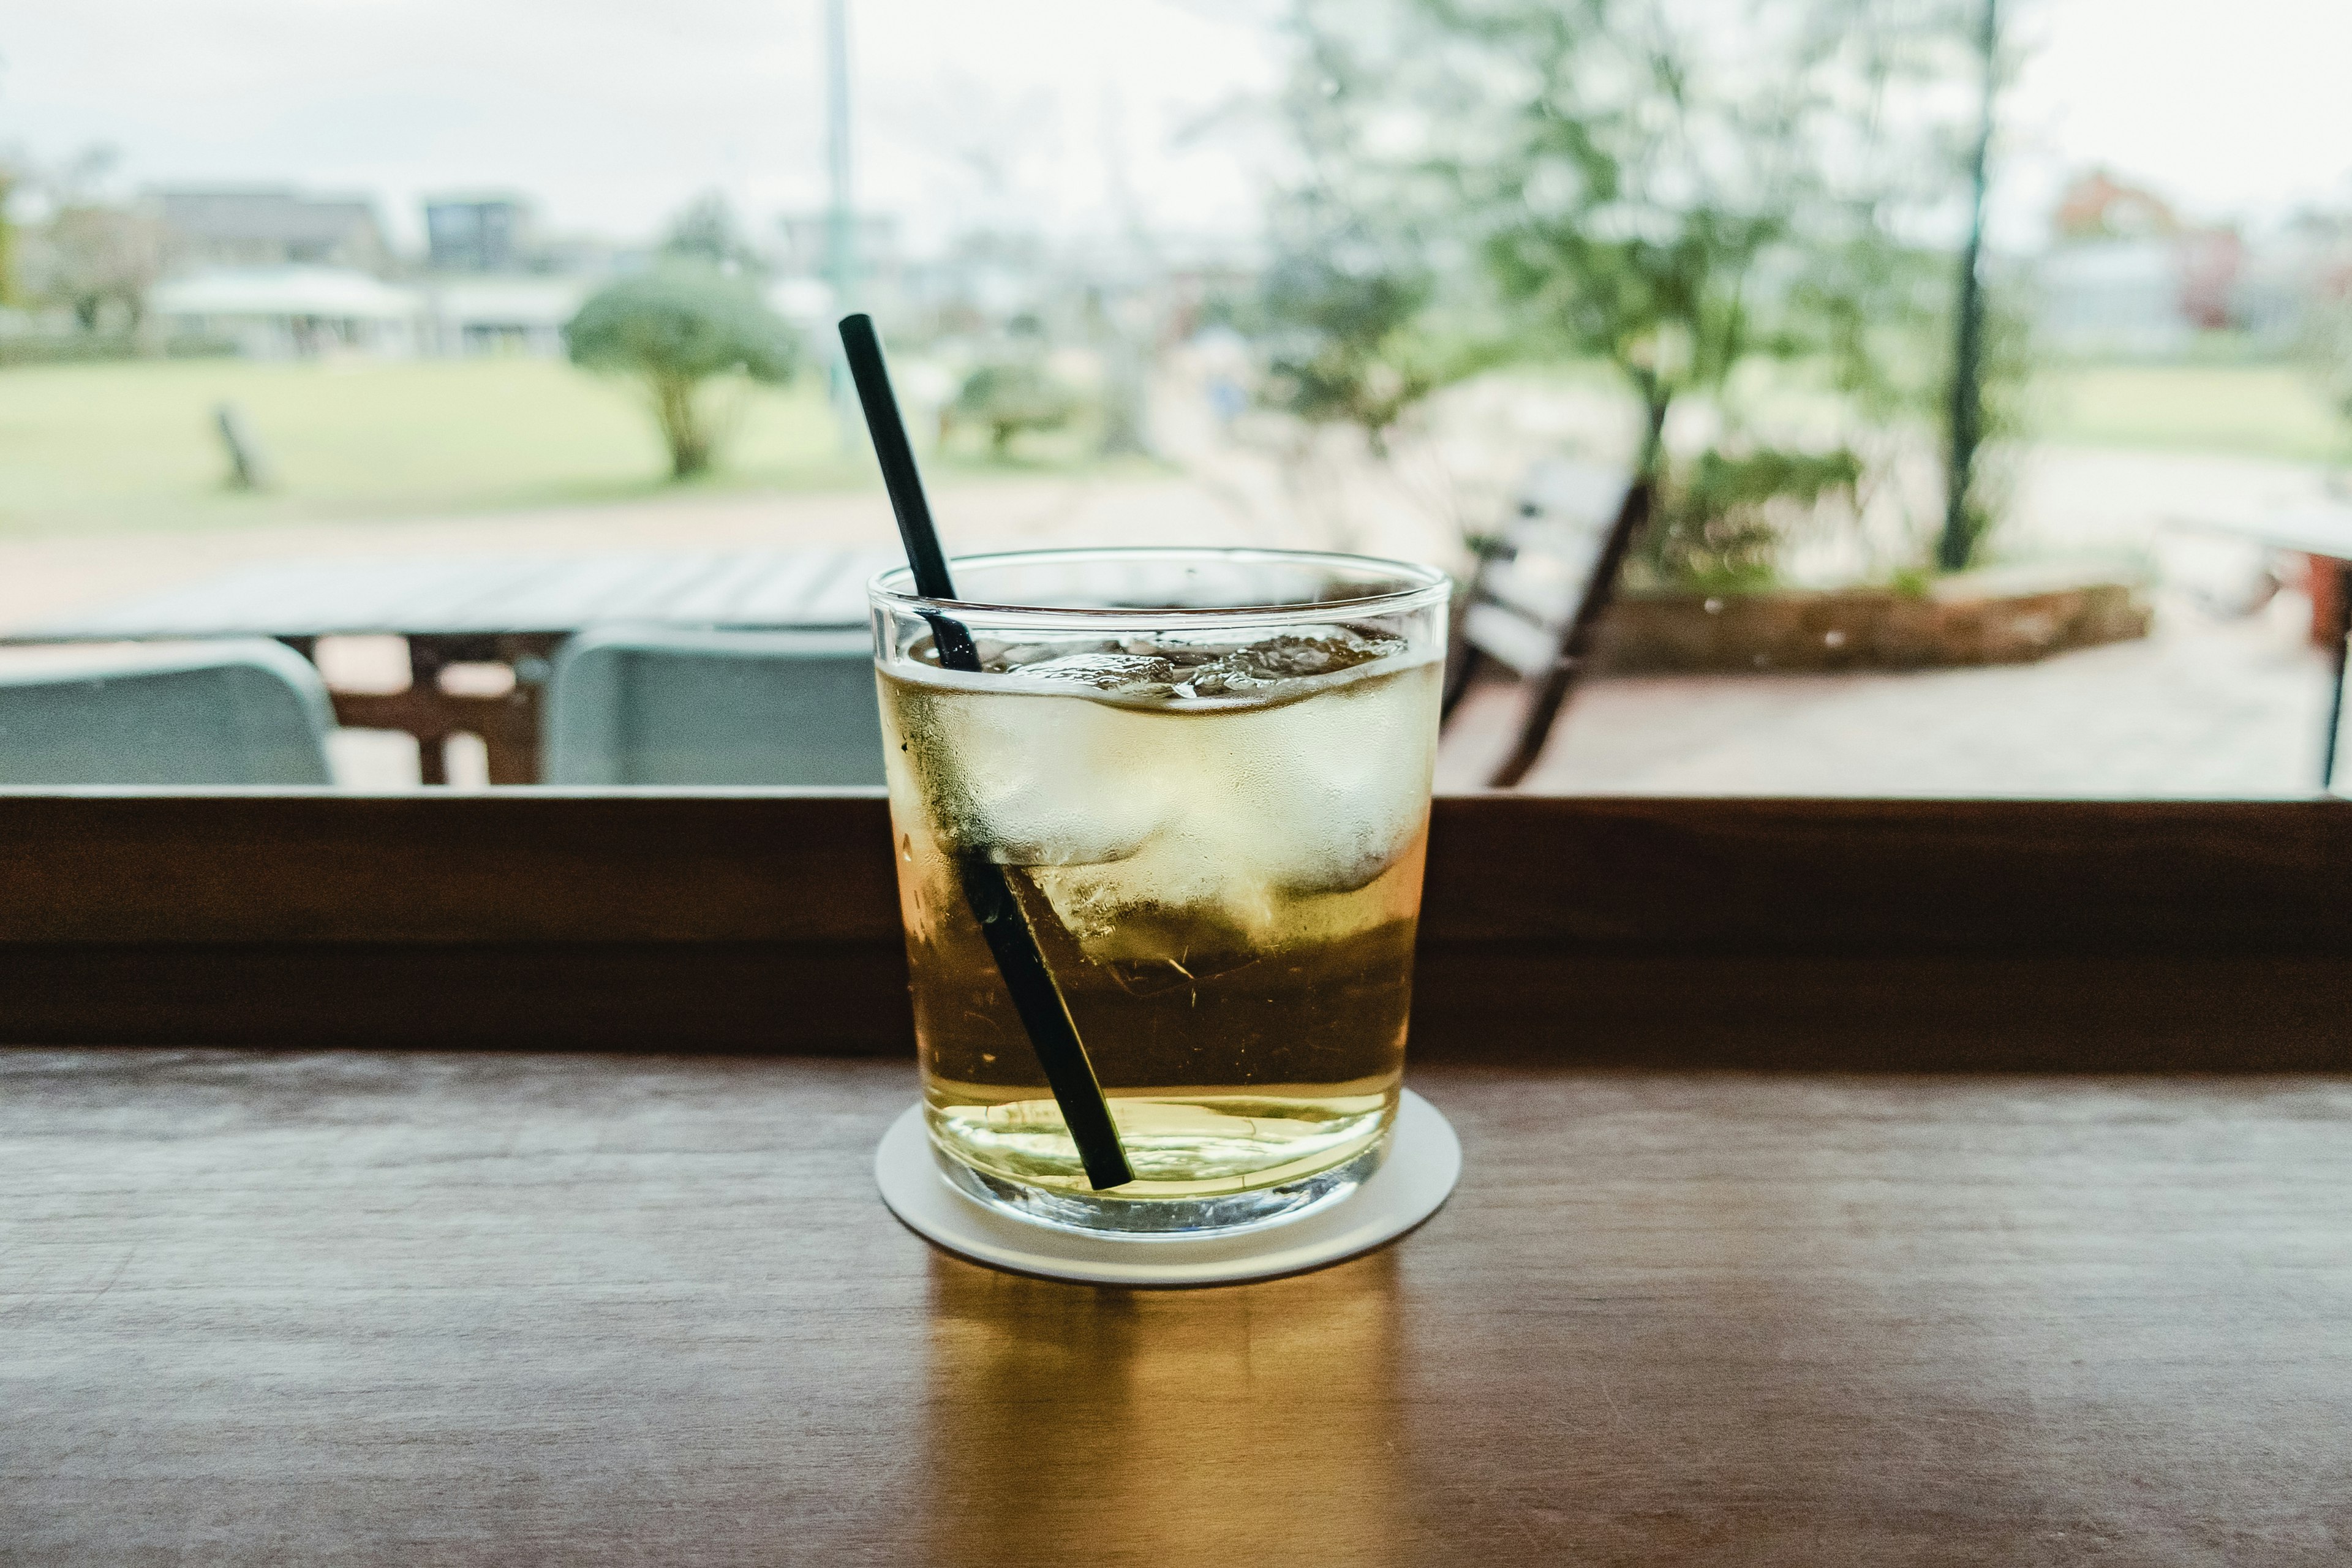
[[1147, 1219]]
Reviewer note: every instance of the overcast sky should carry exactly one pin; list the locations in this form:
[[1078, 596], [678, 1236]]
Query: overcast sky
[[1071, 115]]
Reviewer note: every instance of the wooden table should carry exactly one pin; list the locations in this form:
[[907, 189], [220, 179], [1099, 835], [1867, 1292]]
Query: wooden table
[[513, 611], [1732, 1277], [514, 1309], [2323, 534]]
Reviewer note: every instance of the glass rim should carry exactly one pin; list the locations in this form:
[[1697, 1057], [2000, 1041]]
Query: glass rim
[[892, 587]]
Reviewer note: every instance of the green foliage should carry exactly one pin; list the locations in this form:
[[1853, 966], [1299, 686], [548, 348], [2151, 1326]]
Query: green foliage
[[98, 257], [1723, 520], [1353, 348], [1007, 397], [1677, 191], [679, 328], [685, 321], [9, 296]]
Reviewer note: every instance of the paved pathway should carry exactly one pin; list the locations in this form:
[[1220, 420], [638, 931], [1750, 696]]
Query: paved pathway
[[2203, 708]]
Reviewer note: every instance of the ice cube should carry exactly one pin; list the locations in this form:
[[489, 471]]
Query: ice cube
[[1128, 674], [1339, 783], [1034, 780], [1260, 776], [1277, 803], [1265, 666]]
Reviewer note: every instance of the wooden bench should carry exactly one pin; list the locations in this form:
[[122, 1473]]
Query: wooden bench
[[1534, 604]]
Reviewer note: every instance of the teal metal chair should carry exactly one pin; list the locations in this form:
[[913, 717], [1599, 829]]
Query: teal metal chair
[[664, 706], [242, 712]]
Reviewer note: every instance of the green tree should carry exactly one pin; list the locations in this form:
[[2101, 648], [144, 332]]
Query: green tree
[[1676, 190], [98, 256], [1965, 518], [1008, 396], [1721, 525], [1678, 193], [9, 180], [682, 327], [1356, 347]]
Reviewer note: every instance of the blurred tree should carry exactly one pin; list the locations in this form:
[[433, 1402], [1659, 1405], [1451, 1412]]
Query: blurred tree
[[1725, 520], [1987, 413], [706, 232], [1667, 190], [1676, 187], [1966, 521], [1356, 347], [10, 178], [679, 327], [94, 256], [1008, 396]]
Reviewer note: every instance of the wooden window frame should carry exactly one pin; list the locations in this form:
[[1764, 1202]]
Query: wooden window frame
[[1862, 934]]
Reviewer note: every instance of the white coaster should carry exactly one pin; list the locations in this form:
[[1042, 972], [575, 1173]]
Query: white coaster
[[1424, 1160]]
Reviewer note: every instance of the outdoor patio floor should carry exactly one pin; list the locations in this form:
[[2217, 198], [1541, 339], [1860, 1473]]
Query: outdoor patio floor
[[2200, 709]]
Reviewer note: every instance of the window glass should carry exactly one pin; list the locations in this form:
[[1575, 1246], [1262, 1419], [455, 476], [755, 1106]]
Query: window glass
[[1833, 397]]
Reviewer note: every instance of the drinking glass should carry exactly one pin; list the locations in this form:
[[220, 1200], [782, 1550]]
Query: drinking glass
[[1206, 774]]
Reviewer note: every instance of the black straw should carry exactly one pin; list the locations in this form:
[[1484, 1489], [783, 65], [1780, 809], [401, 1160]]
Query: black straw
[[1003, 920]]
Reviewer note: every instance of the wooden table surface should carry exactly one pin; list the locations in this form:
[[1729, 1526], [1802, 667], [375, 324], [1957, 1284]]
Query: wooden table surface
[[514, 611], [378, 1307], [2324, 530], [482, 595]]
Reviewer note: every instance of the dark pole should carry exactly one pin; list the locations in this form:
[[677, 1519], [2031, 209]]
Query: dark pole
[[840, 210], [1953, 550], [2340, 626]]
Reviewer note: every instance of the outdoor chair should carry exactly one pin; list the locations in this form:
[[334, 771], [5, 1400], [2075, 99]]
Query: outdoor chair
[[242, 712], [662, 706], [1535, 602]]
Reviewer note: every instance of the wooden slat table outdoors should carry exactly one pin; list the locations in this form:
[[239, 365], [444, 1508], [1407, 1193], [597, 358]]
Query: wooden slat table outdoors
[[508, 610], [2323, 534], [496, 1309], [490, 596]]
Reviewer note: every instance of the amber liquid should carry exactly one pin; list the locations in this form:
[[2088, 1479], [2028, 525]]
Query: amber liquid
[[1225, 893]]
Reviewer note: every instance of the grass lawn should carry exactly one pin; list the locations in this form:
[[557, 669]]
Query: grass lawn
[[134, 445], [2244, 409], [2251, 410]]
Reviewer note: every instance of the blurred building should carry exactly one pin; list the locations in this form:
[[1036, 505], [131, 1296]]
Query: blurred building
[[478, 234], [496, 283], [293, 312], [2128, 276], [2098, 207], [217, 227], [475, 235], [490, 314], [2309, 261], [283, 274]]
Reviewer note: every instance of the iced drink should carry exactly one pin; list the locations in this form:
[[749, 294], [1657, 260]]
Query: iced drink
[[1215, 822]]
